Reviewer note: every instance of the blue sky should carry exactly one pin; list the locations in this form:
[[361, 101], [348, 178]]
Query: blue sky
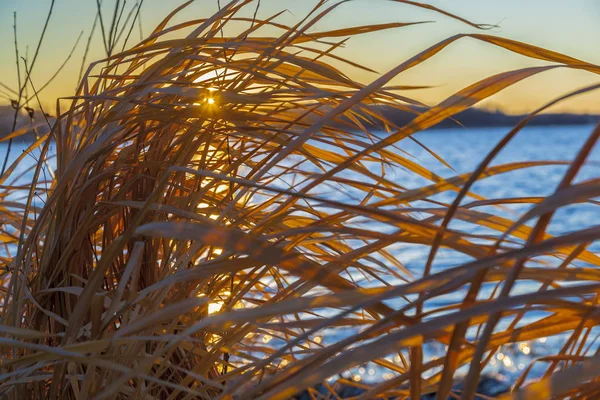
[[569, 27]]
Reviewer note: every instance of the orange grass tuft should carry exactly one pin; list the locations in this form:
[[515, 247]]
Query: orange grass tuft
[[187, 248]]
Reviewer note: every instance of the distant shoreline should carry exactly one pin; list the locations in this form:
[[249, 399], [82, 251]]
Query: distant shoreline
[[471, 118], [477, 118]]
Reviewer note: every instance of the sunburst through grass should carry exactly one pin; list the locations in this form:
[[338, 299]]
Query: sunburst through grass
[[221, 215]]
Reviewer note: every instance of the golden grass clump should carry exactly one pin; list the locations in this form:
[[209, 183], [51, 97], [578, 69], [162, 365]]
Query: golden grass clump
[[219, 207]]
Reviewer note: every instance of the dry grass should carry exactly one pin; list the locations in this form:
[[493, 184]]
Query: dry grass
[[187, 248]]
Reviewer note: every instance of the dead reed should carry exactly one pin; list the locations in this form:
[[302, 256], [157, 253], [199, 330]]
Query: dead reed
[[186, 245]]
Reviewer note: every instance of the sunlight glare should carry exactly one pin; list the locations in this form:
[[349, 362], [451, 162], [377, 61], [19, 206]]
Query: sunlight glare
[[215, 307]]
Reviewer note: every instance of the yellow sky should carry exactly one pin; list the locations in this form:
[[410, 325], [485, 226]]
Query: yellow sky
[[565, 26]]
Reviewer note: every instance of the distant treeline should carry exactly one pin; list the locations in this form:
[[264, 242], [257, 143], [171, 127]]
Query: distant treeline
[[473, 118], [7, 120]]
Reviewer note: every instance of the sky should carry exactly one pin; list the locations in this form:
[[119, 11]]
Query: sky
[[567, 26]]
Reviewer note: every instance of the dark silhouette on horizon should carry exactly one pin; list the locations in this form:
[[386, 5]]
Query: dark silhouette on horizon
[[479, 118]]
